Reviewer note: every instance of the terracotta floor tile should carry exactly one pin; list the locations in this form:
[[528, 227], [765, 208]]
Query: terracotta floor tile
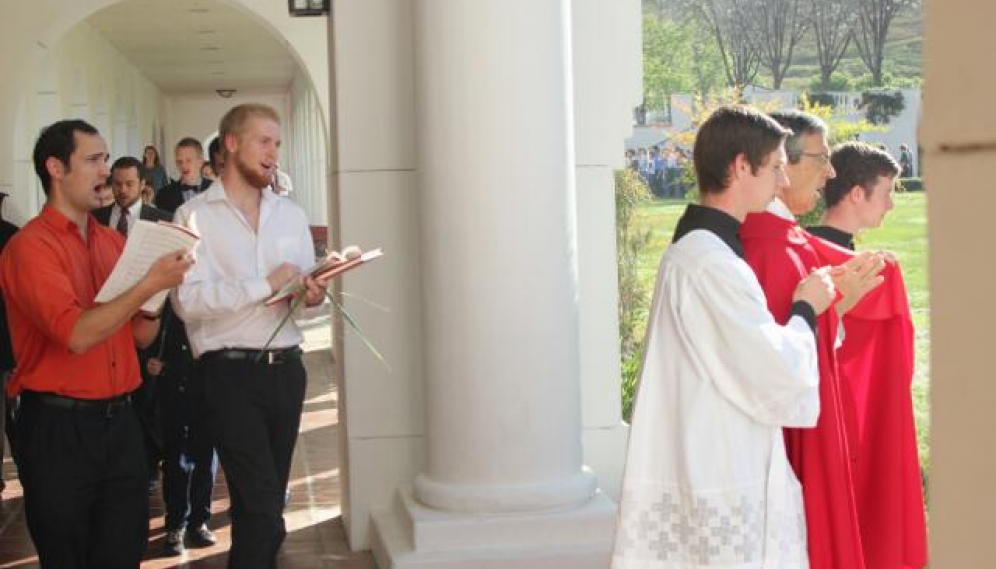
[[315, 539]]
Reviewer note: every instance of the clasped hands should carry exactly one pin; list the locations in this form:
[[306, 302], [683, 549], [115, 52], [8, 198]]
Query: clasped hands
[[853, 279], [857, 277]]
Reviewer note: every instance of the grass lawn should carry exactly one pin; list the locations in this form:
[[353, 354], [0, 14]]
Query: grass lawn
[[904, 233]]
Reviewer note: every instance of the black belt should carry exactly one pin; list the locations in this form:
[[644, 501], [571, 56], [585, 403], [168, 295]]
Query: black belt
[[107, 407], [267, 357]]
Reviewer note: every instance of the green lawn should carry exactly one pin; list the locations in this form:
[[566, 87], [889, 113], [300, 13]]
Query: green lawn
[[904, 233]]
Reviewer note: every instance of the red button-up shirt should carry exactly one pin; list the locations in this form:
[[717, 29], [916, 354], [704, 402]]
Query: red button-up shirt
[[49, 277]]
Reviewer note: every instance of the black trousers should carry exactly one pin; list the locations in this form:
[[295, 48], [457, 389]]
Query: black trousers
[[254, 411], [189, 462], [85, 484]]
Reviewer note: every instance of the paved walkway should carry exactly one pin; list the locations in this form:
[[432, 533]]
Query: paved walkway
[[315, 535]]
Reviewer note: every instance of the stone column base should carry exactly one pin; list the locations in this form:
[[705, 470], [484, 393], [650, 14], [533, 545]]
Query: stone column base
[[410, 535]]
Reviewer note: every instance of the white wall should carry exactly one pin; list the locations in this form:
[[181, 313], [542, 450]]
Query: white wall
[[81, 76], [304, 155], [381, 410], [607, 48], [43, 82]]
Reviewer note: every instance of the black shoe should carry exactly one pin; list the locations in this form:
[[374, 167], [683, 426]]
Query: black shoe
[[201, 536], [173, 544]]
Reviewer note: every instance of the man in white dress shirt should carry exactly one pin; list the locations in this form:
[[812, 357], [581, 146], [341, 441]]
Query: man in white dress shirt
[[707, 483], [252, 243]]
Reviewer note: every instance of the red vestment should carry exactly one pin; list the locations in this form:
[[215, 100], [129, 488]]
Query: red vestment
[[779, 252], [876, 362]]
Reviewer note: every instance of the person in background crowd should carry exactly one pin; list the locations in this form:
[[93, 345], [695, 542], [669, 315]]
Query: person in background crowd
[[7, 230], [127, 181], [106, 195], [189, 159], [905, 162], [154, 168], [216, 156]]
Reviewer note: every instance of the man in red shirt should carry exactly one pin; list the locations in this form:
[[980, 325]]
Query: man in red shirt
[[876, 363], [781, 255], [81, 457]]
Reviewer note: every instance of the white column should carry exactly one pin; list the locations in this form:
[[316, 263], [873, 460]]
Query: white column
[[498, 242], [503, 482], [495, 147]]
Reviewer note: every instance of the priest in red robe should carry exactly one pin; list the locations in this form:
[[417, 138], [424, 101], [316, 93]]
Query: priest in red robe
[[781, 255], [876, 363]]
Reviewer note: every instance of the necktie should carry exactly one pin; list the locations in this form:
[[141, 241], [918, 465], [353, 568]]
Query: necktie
[[123, 223]]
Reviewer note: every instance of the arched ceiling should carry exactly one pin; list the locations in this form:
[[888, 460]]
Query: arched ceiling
[[196, 45]]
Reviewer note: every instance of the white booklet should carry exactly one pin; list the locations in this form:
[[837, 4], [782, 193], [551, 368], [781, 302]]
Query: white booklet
[[333, 264], [146, 243]]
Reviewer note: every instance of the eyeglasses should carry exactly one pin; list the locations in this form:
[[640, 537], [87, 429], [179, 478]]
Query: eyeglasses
[[823, 157]]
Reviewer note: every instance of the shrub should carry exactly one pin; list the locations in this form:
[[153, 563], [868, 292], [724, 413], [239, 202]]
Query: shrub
[[881, 106], [633, 293], [910, 185]]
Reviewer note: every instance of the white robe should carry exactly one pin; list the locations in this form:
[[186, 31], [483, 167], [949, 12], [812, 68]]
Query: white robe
[[707, 482]]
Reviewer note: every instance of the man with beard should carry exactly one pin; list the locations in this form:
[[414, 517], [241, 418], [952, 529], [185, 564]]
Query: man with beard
[[252, 243], [876, 363], [781, 255], [80, 454]]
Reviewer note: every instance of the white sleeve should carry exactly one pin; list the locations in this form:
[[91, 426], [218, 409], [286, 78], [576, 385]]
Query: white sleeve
[[769, 371], [205, 294]]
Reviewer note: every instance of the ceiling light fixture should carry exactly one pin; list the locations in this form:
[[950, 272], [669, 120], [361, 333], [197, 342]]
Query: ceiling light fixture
[[225, 93], [308, 7]]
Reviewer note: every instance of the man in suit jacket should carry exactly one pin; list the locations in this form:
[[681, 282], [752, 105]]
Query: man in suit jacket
[[189, 160], [127, 174]]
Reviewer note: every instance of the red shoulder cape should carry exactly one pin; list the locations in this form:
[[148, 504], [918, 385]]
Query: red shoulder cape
[[876, 362], [781, 256]]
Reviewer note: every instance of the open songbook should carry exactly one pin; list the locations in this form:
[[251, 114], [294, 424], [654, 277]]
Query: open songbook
[[333, 264], [147, 242]]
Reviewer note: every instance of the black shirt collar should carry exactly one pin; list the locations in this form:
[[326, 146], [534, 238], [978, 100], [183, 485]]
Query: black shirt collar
[[833, 235], [720, 223]]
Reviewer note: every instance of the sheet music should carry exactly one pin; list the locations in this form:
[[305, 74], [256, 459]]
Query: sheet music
[[146, 243]]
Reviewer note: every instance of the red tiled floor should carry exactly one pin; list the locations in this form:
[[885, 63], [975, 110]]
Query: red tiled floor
[[315, 537]]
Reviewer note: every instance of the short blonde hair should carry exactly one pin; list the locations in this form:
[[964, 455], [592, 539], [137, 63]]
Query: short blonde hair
[[235, 119]]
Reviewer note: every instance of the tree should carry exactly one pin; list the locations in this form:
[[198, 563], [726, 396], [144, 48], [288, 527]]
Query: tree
[[675, 61], [833, 22], [778, 26], [667, 67], [725, 20], [874, 19]]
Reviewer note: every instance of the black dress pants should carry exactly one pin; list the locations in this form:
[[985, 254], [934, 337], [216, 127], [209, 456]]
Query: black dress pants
[[189, 463], [254, 411], [85, 484]]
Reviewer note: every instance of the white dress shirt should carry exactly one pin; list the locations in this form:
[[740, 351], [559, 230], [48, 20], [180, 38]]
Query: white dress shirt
[[221, 298], [134, 214]]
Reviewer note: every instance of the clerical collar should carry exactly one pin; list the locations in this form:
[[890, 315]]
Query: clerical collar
[[720, 223], [833, 235], [778, 207]]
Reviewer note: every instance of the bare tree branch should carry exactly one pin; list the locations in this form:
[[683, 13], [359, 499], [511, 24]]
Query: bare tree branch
[[874, 19], [777, 27], [737, 48], [833, 23]]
